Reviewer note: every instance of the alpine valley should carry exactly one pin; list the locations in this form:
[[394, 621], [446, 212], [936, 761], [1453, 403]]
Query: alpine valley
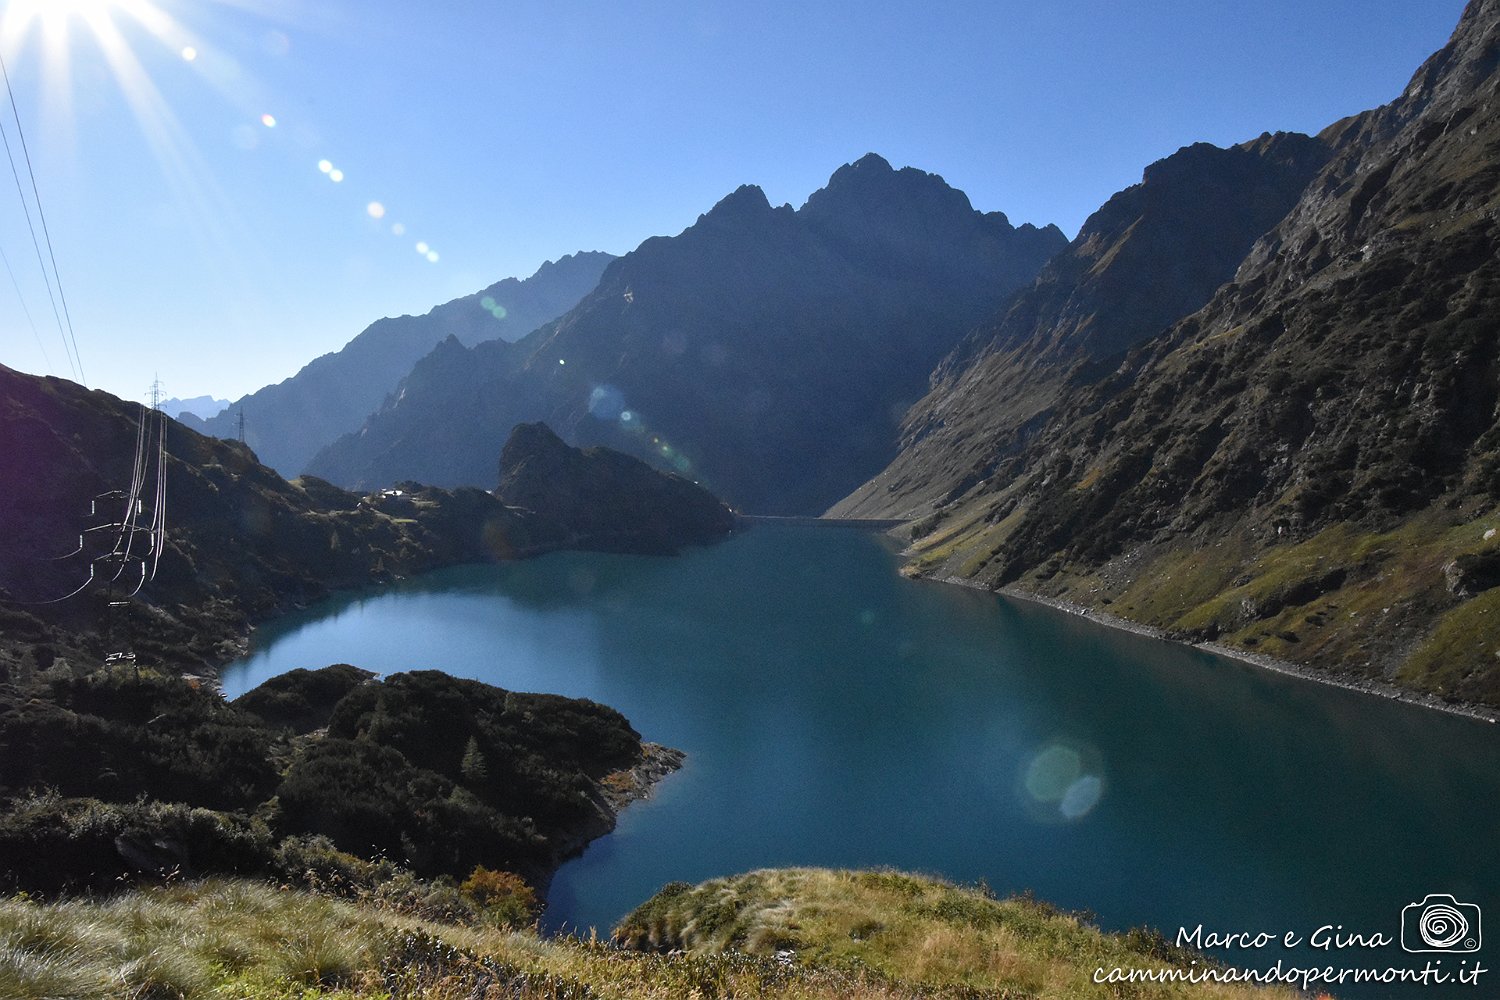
[[1253, 405], [1302, 462]]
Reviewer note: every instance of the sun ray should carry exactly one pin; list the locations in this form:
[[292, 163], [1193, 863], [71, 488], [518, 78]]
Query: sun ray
[[118, 33], [210, 211]]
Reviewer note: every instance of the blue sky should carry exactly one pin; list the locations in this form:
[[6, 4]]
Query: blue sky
[[197, 241]]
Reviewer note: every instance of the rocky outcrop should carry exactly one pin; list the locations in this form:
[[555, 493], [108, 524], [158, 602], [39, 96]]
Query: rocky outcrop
[[600, 499], [1330, 415], [764, 352], [288, 422]]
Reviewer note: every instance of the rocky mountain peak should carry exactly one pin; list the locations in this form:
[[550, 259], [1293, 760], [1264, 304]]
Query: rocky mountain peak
[[870, 188], [1150, 255], [763, 351], [744, 202]]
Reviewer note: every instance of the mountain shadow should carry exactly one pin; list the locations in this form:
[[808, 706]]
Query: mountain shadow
[[765, 352]]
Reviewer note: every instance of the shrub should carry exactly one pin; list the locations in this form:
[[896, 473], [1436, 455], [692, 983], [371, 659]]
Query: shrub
[[71, 844], [504, 897], [371, 800], [113, 737], [302, 700]]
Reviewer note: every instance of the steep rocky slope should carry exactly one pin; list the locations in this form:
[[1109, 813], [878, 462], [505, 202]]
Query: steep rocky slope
[[242, 543], [765, 352], [1152, 254], [1308, 465], [288, 422]]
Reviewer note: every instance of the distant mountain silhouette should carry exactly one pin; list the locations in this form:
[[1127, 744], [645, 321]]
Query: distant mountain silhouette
[[288, 422], [201, 407], [766, 352]]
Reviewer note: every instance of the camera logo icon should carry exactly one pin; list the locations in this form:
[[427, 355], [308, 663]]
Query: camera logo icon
[[1440, 923]]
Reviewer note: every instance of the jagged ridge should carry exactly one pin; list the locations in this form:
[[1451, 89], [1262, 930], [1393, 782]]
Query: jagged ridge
[[765, 352], [288, 422]]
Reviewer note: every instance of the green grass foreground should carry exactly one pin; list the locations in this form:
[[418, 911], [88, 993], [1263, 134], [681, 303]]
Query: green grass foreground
[[851, 935], [917, 930]]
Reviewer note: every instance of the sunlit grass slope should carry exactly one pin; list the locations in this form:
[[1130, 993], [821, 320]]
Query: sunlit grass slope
[[921, 931], [859, 936]]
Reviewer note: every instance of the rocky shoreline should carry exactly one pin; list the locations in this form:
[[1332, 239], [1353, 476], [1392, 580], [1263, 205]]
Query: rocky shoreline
[[1362, 685], [636, 783], [612, 794]]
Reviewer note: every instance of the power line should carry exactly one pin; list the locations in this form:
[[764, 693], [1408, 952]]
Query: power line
[[41, 214], [36, 245], [27, 310]]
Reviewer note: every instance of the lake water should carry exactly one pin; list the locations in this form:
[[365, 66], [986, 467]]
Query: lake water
[[837, 714]]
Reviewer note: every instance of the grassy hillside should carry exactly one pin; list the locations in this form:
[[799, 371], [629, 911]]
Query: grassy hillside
[[916, 930], [258, 942]]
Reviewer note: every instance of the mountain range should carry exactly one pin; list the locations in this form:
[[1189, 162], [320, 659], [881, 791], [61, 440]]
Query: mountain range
[[1152, 254], [1308, 465], [202, 407], [288, 422], [1255, 402], [765, 352]]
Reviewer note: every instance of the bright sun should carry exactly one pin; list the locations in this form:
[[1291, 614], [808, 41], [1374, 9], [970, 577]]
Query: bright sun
[[124, 37], [54, 15]]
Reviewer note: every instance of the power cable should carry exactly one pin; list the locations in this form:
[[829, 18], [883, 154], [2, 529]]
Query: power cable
[[27, 310], [41, 214]]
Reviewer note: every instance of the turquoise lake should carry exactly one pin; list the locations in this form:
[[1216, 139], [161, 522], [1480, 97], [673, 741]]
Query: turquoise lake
[[837, 714]]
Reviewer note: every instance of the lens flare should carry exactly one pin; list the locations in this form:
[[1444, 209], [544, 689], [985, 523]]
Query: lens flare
[[422, 248], [336, 175], [1063, 781], [269, 121], [432, 256], [189, 53], [325, 166], [398, 229], [376, 210], [607, 403]]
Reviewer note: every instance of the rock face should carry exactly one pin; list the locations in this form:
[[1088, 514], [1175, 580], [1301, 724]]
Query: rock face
[[765, 352], [288, 422], [1152, 254], [1290, 468], [243, 544], [602, 499]]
